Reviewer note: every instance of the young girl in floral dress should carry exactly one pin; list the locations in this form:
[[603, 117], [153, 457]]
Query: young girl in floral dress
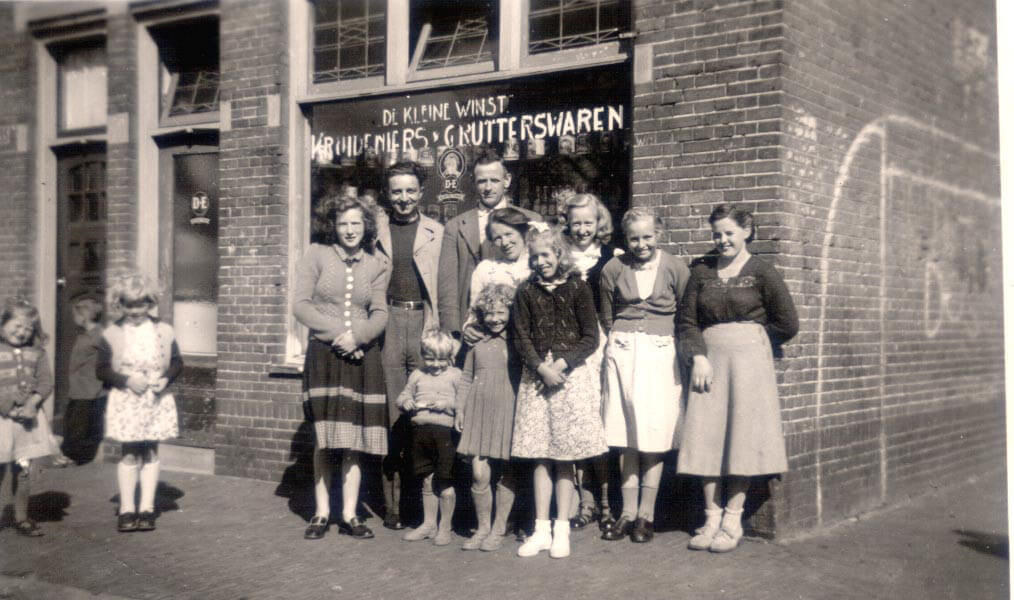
[[557, 420], [138, 358]]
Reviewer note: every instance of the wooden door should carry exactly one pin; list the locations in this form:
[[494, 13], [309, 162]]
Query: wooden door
[[82, 213]]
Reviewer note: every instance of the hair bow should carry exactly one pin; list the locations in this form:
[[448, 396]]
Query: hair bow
[[540, 226]]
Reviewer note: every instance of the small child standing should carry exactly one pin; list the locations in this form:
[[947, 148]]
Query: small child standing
[[86, 405], [485, 415], [25, 381], [558, 420], [429, 398], [138, 358]]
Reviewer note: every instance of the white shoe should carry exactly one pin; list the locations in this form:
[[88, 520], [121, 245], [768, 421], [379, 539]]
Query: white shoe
[[705, 535], [560, 547], [541, 539]]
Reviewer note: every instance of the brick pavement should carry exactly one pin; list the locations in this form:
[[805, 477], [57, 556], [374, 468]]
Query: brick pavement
[[230, 539]]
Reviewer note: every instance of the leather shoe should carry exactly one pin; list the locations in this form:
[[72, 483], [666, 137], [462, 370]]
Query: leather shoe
[[393, 521], [126, 522], [316, 529], [643, 531], [619, 530], [355, 528], [146, 521]]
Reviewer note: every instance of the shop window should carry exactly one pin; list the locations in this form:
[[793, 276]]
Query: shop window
[[563, 24], [553, 144], [452, 34], [81, 84], [189, 79], [348, 39]]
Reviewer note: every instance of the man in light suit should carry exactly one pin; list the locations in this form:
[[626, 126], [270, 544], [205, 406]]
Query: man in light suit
[[410, 242], [465, 242]]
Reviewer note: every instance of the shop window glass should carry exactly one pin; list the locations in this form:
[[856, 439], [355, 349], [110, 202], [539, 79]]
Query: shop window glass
[[190, 68], [348, 39], [81, 81], [562, 24], [450, 34]]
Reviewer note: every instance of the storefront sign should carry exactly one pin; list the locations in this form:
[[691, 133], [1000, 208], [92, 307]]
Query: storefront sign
[[563, 109]]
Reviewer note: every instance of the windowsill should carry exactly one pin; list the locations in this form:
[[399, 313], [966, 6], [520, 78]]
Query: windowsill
[[207, 119], [285, 369], [200, 361]]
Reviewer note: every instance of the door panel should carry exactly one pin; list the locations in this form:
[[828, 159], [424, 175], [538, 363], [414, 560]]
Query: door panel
[[81, 247]]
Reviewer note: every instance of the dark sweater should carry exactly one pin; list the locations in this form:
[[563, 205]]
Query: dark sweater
[[757, 294], [561, 320]]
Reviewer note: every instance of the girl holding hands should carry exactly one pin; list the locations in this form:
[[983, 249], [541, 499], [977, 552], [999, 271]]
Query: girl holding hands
[[557, 420]]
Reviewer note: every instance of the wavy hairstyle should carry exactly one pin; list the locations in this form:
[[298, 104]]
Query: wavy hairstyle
[[553, 234], [327, 211], [510, 216], [491, 295], [19, 306], [604, 230]]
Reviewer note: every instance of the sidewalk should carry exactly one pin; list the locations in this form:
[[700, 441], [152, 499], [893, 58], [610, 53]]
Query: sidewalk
[[230, 539]]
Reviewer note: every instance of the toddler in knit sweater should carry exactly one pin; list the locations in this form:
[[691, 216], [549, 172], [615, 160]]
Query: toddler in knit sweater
[[429, 398]]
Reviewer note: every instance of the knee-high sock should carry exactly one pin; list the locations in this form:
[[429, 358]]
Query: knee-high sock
[[126, 477], [149, 482], [647, 508], [483, 500], [22, 490]]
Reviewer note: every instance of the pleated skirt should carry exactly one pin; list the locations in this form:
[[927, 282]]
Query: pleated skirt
[[489, 415], [736, 428], [345, 399]]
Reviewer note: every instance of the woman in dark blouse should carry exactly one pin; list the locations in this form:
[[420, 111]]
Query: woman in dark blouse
[[734, 308]]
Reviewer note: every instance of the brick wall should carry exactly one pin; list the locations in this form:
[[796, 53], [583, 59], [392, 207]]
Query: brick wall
[[891, 177], [258, 416], [17, 94], [820, 116], [121, 158]]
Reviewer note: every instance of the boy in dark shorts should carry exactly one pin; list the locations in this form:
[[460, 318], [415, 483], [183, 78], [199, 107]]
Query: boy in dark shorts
[[428, 398]]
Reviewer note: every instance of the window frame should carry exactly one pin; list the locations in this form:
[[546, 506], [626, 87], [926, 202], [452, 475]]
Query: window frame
[[165, 119], [58, 50], [510, 57]]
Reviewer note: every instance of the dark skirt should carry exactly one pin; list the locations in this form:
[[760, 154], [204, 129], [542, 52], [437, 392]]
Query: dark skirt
[[345, 399]]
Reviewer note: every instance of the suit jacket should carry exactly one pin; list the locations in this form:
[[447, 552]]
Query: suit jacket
[[459, 254], [425, 255]]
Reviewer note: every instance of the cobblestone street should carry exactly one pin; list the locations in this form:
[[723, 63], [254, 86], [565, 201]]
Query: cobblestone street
[[229, 538]]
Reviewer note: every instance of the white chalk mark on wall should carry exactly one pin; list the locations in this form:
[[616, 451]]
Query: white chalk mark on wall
[[939, 299]]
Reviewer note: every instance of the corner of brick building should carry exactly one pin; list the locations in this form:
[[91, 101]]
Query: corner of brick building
[[781, 106]]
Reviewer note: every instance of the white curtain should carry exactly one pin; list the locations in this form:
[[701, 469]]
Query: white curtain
[[83, 88]]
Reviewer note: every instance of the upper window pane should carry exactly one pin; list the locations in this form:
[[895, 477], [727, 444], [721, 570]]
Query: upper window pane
[[348, 39], [448, 34], [561, 24], [190, 69], [82, 86]]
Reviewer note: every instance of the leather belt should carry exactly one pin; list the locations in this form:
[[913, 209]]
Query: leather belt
[[405, 304]]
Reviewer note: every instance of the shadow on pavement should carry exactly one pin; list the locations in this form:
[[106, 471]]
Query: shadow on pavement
[[985, 543], [48, 506]]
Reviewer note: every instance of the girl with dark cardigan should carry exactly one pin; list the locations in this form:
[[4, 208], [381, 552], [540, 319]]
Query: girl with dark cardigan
[[557, 420], [735, 306]]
